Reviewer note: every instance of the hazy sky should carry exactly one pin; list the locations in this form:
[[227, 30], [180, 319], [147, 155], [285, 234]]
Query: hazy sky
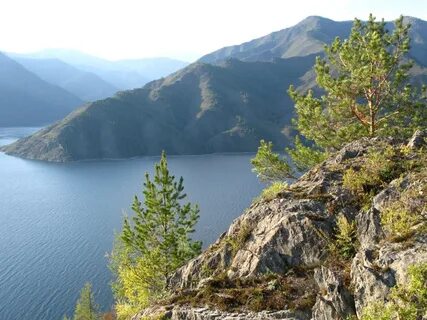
[[184, 29]]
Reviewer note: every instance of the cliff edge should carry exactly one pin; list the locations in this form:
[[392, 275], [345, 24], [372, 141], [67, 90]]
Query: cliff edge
[[325, 247]]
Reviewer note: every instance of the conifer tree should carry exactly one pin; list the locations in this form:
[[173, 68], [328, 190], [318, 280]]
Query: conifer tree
[[366, 89], [86, 308], [155, 241]]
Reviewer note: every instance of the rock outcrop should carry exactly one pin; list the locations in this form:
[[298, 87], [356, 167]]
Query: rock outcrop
[[283, 259]]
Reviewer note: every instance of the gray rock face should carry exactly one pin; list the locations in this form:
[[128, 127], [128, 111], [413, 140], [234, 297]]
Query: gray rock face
[[369, 226], [418, 140], [209, 314], [280, 235], [334, 300], [375, 271], [295, 233]]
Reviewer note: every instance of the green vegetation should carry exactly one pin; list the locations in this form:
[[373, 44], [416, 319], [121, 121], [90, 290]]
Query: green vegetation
[[86, 308], [367, 93], [402, 217], [272, 191], [305, 157], [381, 165], [154, 243], [345, 237], [408, 301], [268, 165], [367, 88], [238, 240]]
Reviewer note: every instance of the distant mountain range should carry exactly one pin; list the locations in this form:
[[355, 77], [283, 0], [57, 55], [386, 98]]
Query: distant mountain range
[[27, 100], [122, 74], [86, 85], [226, 102], [38, 89]]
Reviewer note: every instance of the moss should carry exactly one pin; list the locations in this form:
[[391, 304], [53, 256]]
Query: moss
[[270, 292]]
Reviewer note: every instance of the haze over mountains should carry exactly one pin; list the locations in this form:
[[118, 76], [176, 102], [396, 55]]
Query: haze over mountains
[[38, 89], [226, 102], [86, 85], [27, 100], [122, 74]]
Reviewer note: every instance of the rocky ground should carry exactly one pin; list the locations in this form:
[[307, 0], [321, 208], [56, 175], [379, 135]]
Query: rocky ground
[[325, 247]]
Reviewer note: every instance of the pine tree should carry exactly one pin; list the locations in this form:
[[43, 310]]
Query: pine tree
[[86, 308], [367, 93], [155, 241], [367, 90]]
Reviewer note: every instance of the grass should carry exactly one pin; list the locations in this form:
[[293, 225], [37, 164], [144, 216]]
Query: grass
[[272, 191]]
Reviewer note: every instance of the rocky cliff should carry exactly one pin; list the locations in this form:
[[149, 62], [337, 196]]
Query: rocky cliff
[[325, 247]]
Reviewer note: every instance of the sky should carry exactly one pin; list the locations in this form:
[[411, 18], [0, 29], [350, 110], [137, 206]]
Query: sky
[[182, 29]]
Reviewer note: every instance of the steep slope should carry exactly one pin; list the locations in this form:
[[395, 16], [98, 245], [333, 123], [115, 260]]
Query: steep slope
[[122, 74], [305, 38], [308, 37], [285, 257], [27, 100], [200, 109], [85, 85]]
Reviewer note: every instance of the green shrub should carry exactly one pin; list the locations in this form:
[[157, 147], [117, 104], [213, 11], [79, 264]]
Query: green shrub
[[398, 221], [346, 237], [378, 168], [354, 181], [403, 217]]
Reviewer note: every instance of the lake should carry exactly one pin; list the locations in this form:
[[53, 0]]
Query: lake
[[57, 220]]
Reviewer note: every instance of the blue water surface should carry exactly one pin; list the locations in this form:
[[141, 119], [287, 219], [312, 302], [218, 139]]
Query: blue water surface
[[57, 220]]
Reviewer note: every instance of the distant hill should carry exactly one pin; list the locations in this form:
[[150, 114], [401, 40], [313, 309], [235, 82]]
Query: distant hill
[[226, 102], [27, 100], [122, 74], [86, 85], [200, 109], [308, 37]]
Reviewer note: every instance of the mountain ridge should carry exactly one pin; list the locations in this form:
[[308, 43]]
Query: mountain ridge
[[86, 85], [226, 105], [123, 74], [212, 111], [27, 100], [308, 37]]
